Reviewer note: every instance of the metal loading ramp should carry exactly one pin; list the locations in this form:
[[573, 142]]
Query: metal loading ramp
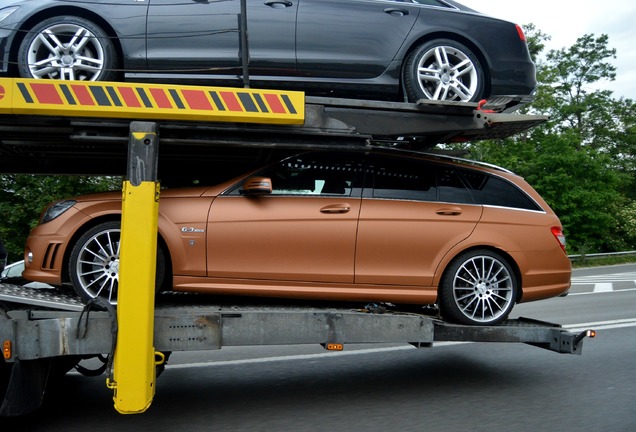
[[50, 135]]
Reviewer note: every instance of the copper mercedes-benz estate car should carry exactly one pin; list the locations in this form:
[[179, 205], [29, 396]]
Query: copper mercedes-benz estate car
[[380, 226]]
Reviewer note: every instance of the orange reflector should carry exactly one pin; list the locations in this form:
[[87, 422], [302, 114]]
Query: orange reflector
[[333, 347], [591, 333], [7, 350]]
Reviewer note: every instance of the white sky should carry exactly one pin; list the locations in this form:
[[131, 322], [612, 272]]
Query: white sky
[[567, 20]]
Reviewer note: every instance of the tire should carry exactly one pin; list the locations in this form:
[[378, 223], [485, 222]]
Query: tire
[[94, 263], [5, 377], [443, 70], [478, 288], [68, 48]]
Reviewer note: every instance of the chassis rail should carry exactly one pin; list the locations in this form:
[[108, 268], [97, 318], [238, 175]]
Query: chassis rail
[[45, 332]]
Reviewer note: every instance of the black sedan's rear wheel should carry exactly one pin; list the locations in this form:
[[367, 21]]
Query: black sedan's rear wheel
[[68, 48], [443, 70], [479, 288], [94, 263]]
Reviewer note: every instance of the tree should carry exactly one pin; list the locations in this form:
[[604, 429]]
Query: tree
[[23, 197], [582, 160], [575, 182]]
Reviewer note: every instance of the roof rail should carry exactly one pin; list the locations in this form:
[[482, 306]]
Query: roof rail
[[444, 157]]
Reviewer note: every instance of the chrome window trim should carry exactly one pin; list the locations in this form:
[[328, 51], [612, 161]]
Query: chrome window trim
[[515, 208]]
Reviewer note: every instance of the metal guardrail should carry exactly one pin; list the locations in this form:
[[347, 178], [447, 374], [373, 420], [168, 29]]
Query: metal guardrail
[[582, 257]]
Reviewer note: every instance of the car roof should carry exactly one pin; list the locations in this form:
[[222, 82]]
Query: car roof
[[431, 156]]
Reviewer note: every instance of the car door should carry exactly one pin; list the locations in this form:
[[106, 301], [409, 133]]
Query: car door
[[412, 214], [305, 230], [202, 37], [351, 38]]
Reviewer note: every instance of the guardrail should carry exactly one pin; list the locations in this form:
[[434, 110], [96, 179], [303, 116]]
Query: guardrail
[[582, 257]]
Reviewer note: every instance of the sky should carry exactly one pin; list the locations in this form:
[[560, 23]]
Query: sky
[[567, 20]]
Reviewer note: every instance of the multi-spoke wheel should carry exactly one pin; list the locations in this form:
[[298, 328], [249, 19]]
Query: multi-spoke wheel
[[94, 263], [479, 287], [68, 48], [443, 70]]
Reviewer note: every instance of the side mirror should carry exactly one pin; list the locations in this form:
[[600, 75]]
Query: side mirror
[[256, 186]]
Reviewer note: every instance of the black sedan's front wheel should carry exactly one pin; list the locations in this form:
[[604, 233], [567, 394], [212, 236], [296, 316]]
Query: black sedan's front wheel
[[68, 48], [94, 263], [443, 70], [479, 287]]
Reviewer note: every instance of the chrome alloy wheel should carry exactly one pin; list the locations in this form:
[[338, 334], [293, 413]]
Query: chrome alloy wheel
[[97, 265], [66, 52], [94, 264], [483, 289], [448, 74]]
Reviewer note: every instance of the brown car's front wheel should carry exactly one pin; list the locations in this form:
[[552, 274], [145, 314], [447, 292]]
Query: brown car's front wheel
[[479, 287], [94, 263]]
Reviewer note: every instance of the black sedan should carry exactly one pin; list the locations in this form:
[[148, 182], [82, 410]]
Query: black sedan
[[382, 49]]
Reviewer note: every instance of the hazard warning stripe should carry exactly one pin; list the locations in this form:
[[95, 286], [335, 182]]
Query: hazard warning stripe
[[67, 94], [149, 101], [25, 93], [144, 98], [113, 96], [176, 99]]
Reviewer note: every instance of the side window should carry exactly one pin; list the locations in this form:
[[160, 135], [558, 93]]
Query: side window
[[313, 175], [495, 191], [429, 3], [451, 187], [418, 181], [405, 180]]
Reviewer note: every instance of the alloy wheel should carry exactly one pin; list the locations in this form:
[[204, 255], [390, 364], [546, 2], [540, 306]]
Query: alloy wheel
[[66, 52], [483, 289]]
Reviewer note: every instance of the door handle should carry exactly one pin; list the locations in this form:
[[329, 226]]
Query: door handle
[[278, 4], [396, 12], [336, 208], [449, 211]]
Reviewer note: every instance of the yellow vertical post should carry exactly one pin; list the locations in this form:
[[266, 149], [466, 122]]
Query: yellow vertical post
[[134, 360]]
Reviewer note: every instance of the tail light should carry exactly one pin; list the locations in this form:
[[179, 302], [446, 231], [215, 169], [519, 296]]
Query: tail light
[[557, 232], [522, 35]]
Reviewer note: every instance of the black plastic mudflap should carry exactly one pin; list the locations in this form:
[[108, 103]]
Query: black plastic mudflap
[[532, 332], [23, 386]]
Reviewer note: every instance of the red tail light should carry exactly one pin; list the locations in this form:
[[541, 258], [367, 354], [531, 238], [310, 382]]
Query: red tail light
[[557, 232], [522, 35]]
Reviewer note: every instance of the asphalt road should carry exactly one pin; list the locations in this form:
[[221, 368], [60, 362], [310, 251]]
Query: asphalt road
[[451, 387]]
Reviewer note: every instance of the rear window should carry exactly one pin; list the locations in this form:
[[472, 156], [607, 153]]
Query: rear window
[[495, 191]]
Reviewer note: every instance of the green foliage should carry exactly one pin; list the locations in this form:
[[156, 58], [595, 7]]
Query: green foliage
[[536, 40], [580, 188], [575, 183], [24, 197], [583, 161], [595, 262], [627, 223]]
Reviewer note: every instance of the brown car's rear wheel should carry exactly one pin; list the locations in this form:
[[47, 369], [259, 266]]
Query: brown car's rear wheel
[[479, 287], [94, 263]]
